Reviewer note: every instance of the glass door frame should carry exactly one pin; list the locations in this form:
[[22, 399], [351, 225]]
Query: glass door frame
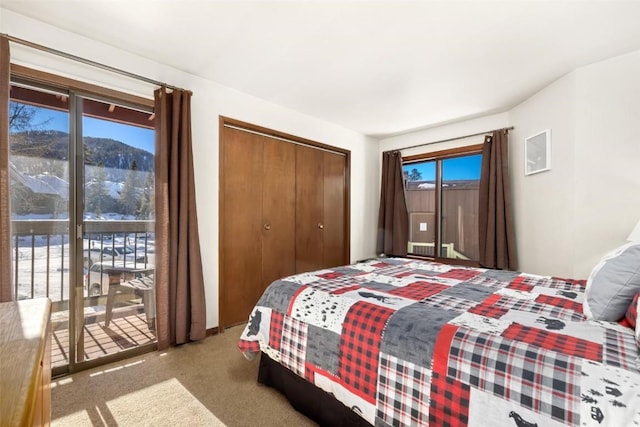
[[77, 229], [50, 83]]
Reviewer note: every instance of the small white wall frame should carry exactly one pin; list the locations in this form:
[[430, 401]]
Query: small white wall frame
[[537, 152]]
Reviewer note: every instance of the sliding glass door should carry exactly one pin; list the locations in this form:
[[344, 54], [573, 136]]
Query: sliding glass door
[[114, 211], [82, 187], [40, 173], [442, 193]]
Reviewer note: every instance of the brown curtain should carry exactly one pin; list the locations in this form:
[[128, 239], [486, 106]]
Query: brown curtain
[[6, 290], [180, 303], [393, 219], [497, 237]]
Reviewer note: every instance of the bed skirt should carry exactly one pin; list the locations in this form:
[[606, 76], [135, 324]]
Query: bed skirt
[[305, 397]]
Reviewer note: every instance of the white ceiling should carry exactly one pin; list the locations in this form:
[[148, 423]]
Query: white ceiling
[[379, 68]]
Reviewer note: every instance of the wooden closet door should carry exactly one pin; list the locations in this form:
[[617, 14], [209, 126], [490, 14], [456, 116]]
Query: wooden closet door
[[278, 210], [309, 208], [241, 207], [334, 210]]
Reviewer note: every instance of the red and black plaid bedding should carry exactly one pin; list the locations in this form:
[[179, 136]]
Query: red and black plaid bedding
[[407, 342]]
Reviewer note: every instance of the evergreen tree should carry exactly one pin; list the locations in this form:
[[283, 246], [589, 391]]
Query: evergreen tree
[[415, 175], [96, 196], [129, 193], [147, 208]]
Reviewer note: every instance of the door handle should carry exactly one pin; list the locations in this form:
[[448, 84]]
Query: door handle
[[267, 227], [320, 226]]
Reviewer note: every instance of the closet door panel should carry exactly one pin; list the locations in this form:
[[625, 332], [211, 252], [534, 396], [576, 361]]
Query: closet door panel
[[242, 231], [309, 208], [334, 251], [278, 210]]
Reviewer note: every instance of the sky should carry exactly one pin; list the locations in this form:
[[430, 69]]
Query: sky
[[467, 167], [130, 135]]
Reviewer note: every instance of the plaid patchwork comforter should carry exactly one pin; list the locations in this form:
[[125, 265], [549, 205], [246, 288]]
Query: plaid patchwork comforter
[[407, 342]]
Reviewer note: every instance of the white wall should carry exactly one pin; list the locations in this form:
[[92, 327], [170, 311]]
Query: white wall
[[589, 201], [543, 202], [607, 150], [210, 100]]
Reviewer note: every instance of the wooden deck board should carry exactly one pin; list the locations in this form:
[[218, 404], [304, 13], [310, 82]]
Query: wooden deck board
[[126, 330]]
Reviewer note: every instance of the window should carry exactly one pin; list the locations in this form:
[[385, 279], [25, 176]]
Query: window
[[442, 191]]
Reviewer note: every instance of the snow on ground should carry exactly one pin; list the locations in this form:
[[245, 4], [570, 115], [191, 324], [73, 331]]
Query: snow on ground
[[48, 269], [43, 261]]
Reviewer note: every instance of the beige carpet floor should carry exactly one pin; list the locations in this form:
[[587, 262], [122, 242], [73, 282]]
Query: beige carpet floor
[[208, 383]]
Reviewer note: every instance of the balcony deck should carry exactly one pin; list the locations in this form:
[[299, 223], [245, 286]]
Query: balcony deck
[[128, 329], [43, 267]]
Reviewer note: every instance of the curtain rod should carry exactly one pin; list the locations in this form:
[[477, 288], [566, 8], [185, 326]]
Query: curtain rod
[[86, 61], [449, 139]]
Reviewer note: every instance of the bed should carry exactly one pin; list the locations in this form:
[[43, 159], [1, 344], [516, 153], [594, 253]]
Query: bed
[[395, 341]]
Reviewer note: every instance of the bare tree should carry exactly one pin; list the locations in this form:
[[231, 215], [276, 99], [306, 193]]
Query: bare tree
[[21, 117]]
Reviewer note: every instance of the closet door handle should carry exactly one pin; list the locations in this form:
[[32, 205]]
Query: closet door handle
[[320, 226], [267, 226]]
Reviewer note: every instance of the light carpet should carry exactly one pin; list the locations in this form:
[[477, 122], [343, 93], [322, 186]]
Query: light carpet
[[208, 383]]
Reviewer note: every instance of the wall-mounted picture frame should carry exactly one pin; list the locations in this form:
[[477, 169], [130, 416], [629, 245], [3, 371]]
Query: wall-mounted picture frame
[[537, 152]]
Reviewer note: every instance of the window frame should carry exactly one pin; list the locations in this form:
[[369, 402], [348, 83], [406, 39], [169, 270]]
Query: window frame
[[439, 156], [35, 77]]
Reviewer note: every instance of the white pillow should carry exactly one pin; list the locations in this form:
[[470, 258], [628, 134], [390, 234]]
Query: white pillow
[[612, 284]]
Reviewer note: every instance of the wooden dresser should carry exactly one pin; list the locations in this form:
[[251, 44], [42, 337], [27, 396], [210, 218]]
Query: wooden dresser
[[25, 363]]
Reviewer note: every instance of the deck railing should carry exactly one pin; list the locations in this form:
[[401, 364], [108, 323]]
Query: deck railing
[[41, 260], [427, 249]]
